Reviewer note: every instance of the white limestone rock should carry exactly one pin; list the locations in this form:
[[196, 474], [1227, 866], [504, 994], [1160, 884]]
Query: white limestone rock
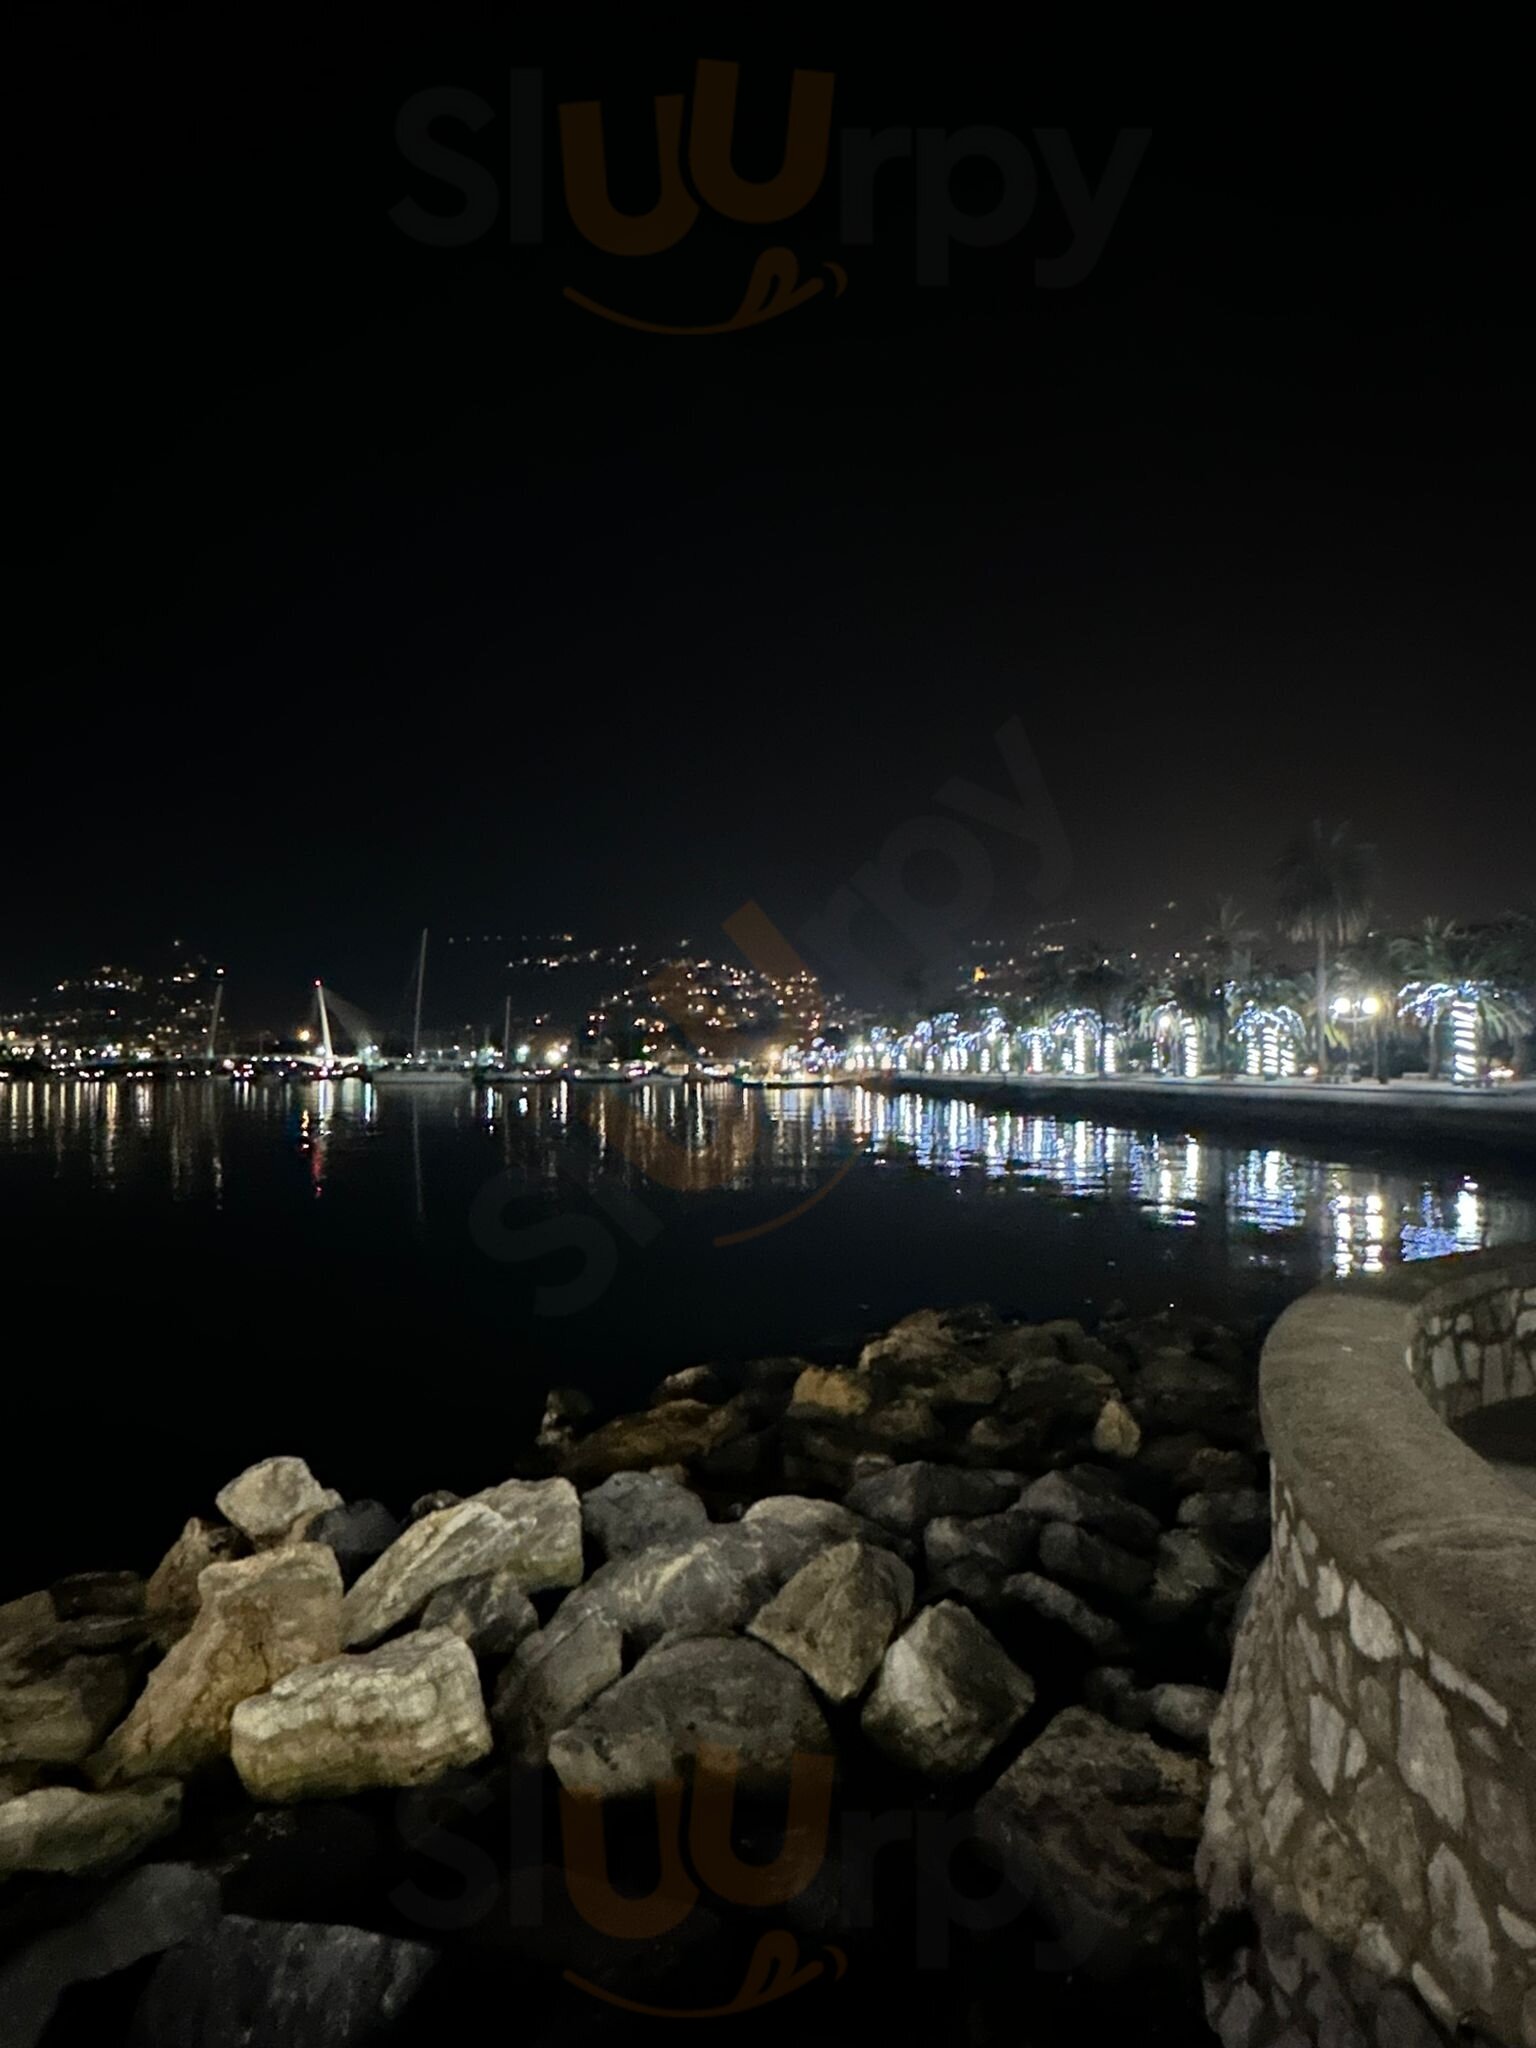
[[260, 1618], [835, 1617], [400, 1715], [268, 1499], [446, 1544], [60, 1829], [947, 1694]]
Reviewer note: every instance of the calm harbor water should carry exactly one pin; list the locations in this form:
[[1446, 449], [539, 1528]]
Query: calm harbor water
[[387, 1280]]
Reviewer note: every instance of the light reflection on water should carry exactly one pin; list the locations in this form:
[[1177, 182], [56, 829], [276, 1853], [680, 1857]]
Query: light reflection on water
[[177, 1143]]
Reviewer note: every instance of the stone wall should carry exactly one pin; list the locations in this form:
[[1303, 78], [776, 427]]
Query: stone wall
[[1369, 1857]]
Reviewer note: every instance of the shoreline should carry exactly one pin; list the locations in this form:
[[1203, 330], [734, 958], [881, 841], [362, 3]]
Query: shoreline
[[1500, 1118]]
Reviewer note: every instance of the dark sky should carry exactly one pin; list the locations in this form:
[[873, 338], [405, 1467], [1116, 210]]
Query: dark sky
[[367, 584]]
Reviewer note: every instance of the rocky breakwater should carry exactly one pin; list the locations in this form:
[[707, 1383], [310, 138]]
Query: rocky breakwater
[[987, 1574]]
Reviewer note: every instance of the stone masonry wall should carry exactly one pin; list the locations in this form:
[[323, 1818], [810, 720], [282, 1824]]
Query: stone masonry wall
[[1369, 1859]]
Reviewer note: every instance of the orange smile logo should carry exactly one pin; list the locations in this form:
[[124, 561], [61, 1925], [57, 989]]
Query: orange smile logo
[[776, 1967]]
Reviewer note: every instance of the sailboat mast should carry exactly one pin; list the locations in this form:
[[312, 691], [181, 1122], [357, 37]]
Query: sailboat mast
[[421, 976], [506, 1034], [213, 1021], [325, 1023]]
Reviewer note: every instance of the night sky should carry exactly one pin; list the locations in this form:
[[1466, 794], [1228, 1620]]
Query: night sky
[[367, 584]]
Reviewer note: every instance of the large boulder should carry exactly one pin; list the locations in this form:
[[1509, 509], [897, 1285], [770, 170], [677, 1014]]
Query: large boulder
[[1088, 1497], [672, 1434], [713, 1583], [719, 1693], [946, 1695], [1236, 1517], [1049, 1403], [1189, 1575], [1097, 1828], [400, 1715], [632, 1510], [1080, 1559], [703, 1586], [490, 1611], [260, 1617], [1177, 1394], [448, 1543], [62, 1829], [905, 1498], [280, 1984], [544, 1516], [970, 1556], [268, 1502], [551, 1678], [835, 1617], [142, 1915]]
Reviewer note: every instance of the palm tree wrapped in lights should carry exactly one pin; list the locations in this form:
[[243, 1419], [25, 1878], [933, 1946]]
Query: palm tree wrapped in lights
[[1322, 883], [1273, 1039], [1473, 991]]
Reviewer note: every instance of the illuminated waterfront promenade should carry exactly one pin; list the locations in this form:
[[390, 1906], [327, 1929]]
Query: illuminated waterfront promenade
[[1502, 1115]]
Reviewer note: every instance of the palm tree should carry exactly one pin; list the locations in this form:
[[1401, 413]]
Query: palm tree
[[1322, 885], [1431, 959], [1230, 942], [1098, 988]]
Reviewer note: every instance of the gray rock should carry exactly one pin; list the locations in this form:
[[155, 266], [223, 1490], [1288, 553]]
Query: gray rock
[[260, 1617], [1097, 1828], [1111, 1690], [1061, 1399], [1077, 1497], [905, 1498], [268, 1501], [280, 1984], [1176, 1394], [551, 1679], [1189, 1575], [835, 1617], [145, 1913], [490, 1611], [544, 1516], [703, 1587], [1073, 1555], [720, 1693], [632, 1510], [449, 1543], [58, 1828], [400, 1715], [946, 1695], [970, 1556], [1237, 1516], [794, 1527], [358, 1533], [713, 1583], [1186, 1711], [1105, 1638]]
